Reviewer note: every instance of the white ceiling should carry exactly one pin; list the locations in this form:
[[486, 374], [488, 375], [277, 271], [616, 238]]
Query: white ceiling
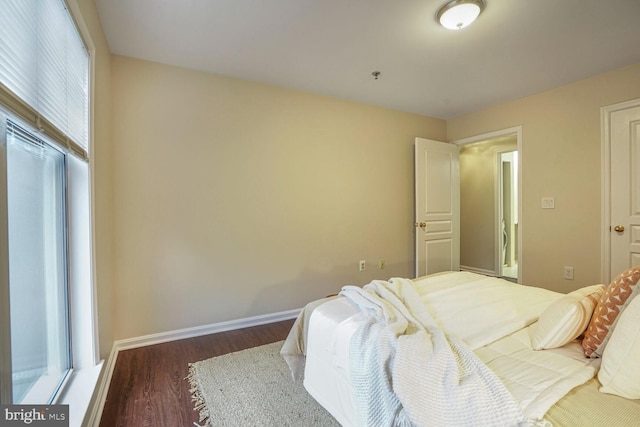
[[331, 47]]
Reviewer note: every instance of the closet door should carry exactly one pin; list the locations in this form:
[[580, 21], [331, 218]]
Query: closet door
[[624, 230]]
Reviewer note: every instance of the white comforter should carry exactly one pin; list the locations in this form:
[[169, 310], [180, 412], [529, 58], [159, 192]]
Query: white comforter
[[486, 314], [480, 309]]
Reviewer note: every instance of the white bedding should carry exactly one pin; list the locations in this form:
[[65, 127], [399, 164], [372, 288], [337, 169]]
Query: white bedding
[[537, 379], [493, 323], [480, 309]]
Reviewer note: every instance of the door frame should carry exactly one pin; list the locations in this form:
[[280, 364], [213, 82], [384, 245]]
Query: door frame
[[517, 131], [499, 204], [605, 149]]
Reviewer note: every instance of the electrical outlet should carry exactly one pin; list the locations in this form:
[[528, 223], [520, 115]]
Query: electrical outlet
[[568, 273], [548, 203], [381, 264], [362, 265]]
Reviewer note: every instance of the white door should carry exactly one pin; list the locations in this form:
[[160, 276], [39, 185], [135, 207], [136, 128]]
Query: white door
[[437, 201], [624, 232]]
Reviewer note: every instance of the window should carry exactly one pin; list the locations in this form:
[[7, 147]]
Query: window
[[39, 327], [47, 321]]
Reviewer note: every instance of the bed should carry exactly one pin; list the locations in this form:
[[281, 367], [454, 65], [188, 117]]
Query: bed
[[458, 348]]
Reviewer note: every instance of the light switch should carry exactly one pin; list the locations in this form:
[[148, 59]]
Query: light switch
[[548, 202]]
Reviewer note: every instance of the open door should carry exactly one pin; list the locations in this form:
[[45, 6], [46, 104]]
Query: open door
[[437, 185]]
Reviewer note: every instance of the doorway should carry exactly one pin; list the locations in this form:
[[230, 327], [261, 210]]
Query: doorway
[[490, 203]]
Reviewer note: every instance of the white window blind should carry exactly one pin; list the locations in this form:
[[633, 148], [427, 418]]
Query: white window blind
[[44, 64]]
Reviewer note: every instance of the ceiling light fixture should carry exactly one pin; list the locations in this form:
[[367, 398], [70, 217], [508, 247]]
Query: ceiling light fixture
[[458, 14]]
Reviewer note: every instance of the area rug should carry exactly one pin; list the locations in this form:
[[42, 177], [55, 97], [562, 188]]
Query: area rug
[[253, 387]]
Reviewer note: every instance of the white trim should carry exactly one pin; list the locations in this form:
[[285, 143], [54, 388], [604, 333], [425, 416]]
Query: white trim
[[490, 135], [81, 308], [6, 390], [198, 331], [605, 165], [85, 35], [516, 130], [95, 413], [478, 270], [78, 392], [498, 195]]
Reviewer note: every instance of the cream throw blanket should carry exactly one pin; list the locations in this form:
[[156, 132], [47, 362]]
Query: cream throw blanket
[[406, 371]]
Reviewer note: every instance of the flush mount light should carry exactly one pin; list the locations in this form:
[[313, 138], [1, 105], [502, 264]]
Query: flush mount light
[[458, 14]]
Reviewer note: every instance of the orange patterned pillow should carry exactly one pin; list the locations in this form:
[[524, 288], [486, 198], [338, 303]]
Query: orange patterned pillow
[[611, 304]]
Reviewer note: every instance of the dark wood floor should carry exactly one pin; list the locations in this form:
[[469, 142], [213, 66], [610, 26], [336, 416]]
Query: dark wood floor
[[148, 387]]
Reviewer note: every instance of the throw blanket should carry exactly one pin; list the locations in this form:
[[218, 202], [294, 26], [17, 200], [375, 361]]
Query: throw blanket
[[405, 371]]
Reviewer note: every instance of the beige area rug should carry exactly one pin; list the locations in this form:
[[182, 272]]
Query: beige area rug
[[253, 387]]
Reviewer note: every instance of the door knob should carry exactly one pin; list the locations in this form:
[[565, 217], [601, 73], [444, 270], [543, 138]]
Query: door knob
[[619, 228]]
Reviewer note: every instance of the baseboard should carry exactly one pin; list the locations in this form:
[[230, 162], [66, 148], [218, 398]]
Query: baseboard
[[198, 331], [102, 387], [92, 419], [478, 270]]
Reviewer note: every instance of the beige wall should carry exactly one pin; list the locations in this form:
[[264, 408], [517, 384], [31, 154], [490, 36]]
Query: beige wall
[[234, 199], [477, 203], [218, 199], [560, 158], [101, 165]]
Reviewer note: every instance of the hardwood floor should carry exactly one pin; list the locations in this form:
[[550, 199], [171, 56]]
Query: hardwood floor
[[148, 387]]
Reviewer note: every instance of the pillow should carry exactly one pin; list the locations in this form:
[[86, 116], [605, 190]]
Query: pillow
[[611, 304], [567, 318], [620, 369]]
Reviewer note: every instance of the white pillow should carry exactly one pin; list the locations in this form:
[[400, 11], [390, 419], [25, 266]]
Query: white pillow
[[620, 369], [564, 320]]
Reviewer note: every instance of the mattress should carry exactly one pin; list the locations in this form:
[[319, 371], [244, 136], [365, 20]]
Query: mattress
[[506, 350]]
